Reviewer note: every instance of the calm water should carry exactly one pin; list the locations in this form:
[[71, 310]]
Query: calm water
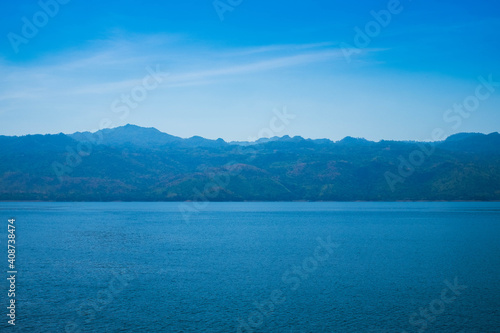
[[255, 267]]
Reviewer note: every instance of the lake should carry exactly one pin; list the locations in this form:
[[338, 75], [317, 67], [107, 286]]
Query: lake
[[254, 267]]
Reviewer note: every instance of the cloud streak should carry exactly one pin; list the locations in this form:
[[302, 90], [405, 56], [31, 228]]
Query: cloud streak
[[111, 69], [74, 90]]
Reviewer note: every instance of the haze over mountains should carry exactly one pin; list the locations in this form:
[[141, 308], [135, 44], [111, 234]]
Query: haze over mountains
[[132, 163]]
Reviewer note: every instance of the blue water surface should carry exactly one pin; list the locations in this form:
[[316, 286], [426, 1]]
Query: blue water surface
[[253, 267]]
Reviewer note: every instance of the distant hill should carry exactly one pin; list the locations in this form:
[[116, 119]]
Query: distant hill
[[132, 135], [128, 134], [473, 142], [132, 163]]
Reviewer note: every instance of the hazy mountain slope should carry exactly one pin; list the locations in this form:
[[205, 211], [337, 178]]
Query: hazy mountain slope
[[134, 163]]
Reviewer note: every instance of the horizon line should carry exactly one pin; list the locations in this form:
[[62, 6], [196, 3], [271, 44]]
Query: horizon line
[[247, 141]]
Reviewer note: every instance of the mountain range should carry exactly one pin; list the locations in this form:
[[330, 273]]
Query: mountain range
[[132, 163]]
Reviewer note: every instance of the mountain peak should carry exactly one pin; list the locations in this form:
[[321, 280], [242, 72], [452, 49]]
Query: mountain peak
[[352, 140], [472, 142], [129, 134], [463, 136]]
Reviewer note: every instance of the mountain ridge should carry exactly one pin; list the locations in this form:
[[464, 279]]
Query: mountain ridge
[[131, 163], [130, 129]]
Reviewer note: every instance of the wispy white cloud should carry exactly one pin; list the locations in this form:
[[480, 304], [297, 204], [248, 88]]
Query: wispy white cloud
[[260, 66], [78, 87], [117, 65], [277, 48]]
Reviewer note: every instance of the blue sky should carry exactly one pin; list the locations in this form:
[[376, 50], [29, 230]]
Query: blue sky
[[224, 78]]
